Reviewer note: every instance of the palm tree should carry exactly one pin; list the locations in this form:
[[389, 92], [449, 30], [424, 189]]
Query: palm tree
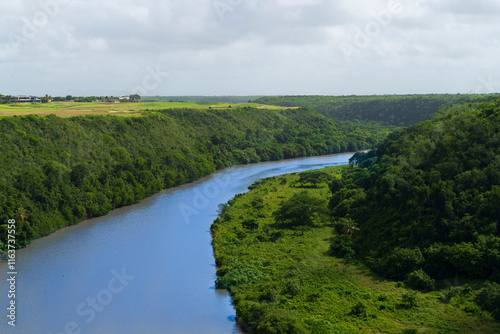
[[349, 226], [21, 214], [46, 98]]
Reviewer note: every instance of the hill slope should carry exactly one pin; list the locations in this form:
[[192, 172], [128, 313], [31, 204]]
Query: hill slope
[[283, 280], [398, 110], [429, 197], [58, 171]]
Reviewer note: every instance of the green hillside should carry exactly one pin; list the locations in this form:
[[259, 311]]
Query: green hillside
[[398, 110], [404, 240], [435, 187], [273, 250], [58, 171]]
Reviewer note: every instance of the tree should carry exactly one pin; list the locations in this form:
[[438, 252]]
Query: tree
[[346, 226], [250, 224], [489, 299], [4, 98], [419, 280], [21, 214], [46, 98], [78, 174], [314, 177], [364, 159], [300, 209], [400, 262]]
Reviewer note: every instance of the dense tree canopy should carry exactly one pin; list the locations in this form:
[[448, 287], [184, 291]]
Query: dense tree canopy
[[301, 209], [58, 171], [402, 110], [429, 197]]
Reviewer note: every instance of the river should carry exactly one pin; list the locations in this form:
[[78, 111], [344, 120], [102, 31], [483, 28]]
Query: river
[[147, 268]]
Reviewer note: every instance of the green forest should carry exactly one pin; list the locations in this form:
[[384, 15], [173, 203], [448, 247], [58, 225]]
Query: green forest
[[397, 110], [429, 196], [404, 239], [55, 172], [273, 249]]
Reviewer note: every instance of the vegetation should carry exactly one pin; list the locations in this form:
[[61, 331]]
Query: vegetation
[[420, 210], [283, 279], [314, 178], [429, 198], [402, 110], [65, 107], [58, 171], [426, 202], [203, 99], [301, 209]]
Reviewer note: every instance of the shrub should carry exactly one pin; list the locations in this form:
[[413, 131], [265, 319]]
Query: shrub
[[359, 310], [450, 293], [382, 298], [269, 295], [466, 290], [292, 288], [274, 235], [419, 280], [250, 224], [257, 203], [281, 322], [410, 299], [244, 273], [400, 262], [489, 299], [410, 331], [251, 314], [342, 247], [472, 308]]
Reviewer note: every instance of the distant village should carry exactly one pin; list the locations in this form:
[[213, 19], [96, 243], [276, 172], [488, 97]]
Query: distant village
[[5, 99]]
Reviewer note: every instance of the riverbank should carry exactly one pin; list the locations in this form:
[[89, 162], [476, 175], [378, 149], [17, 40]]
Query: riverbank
[[163, 241], [60, 171], [283, 280]]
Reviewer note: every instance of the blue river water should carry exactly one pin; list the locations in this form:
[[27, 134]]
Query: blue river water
[[147, 268]]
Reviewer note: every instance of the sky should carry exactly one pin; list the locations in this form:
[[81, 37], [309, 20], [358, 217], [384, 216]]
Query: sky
[[249, 47]]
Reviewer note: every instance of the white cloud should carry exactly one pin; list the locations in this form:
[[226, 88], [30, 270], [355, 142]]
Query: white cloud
[[253, 47]]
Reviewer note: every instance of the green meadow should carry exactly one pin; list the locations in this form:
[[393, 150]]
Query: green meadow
[[283, 279], [69, 109]]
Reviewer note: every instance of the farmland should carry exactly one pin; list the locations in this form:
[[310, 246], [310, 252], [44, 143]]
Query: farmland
[[70, 109]]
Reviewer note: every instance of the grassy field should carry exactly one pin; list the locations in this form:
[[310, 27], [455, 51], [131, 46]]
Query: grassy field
[[284, 281], [69, 109]]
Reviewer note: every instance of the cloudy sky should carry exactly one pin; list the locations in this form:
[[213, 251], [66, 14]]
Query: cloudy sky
[[249, 47]]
